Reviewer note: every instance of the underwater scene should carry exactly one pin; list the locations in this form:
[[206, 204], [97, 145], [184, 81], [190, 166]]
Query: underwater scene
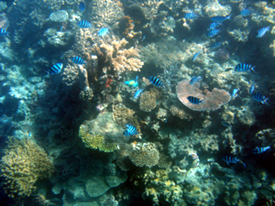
[[137, 102]]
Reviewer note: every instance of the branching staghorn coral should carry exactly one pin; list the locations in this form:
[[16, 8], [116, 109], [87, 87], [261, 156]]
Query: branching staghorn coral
[[22, 165], [212, 100], [116, 56]]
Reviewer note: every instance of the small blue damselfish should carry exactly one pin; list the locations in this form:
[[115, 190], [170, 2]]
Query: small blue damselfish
[[78, 60], [156, 81], [195, 79], [191, 15], [84, 24], [220, 18], [103, 32], [137, 93], [131, 130]]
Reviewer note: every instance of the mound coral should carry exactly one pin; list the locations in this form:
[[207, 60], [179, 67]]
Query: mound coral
[[146, 155], [212, 100], [95, 141], [147, 101], [22, 165]]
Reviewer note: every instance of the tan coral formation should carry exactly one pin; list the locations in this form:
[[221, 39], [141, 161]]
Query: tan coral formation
[[22, 165], [147, 101], [117, 56], [212, 100]]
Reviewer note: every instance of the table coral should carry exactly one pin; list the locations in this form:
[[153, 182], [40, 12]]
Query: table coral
[[213, 100], [22, 165]]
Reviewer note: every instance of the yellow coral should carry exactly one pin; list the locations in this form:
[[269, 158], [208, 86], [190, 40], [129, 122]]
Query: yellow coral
[[22, 165], [96, 141]]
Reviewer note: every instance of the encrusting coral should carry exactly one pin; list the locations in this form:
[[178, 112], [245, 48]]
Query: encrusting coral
[[22, 165], [212, 100], [148, 100]]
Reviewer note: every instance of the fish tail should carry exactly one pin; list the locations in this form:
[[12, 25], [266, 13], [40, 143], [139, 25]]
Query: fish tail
[[242, 163]]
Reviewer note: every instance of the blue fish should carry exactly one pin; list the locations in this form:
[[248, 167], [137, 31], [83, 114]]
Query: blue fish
[[259, 150], [84, 24], [78, 60], [213, 32], [260, 98], [262, 31], [243, 67], [196, 55], [131, 130], [195, 79], [3, 32], [191, 15], [137, 93], [56, 69], [214, 25], [103, 32], [246, 12], [220, 18], [133, 83], [251, 89], [156, 81], [82, 6], [234, 93], [232, 160], [194, 100]]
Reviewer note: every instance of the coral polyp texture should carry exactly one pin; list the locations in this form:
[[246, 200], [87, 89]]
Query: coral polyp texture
[[212, 100], [22, 165]]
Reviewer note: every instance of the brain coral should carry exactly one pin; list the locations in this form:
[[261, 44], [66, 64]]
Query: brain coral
[[22, 165], [147, 155], [213, 100]]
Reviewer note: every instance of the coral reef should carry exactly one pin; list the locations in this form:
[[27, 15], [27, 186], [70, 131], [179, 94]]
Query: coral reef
[[212, 100], [22, 165]]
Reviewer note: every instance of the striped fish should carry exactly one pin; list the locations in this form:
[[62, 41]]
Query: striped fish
[[214, 25], [194, 100], [3, 32], [213, 32], [78, 60], [156, 81], [262, 31], [232, 160], [131, 130], [259, 150], [260, 98], [84, 24], [56, 69], [243, 67]]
